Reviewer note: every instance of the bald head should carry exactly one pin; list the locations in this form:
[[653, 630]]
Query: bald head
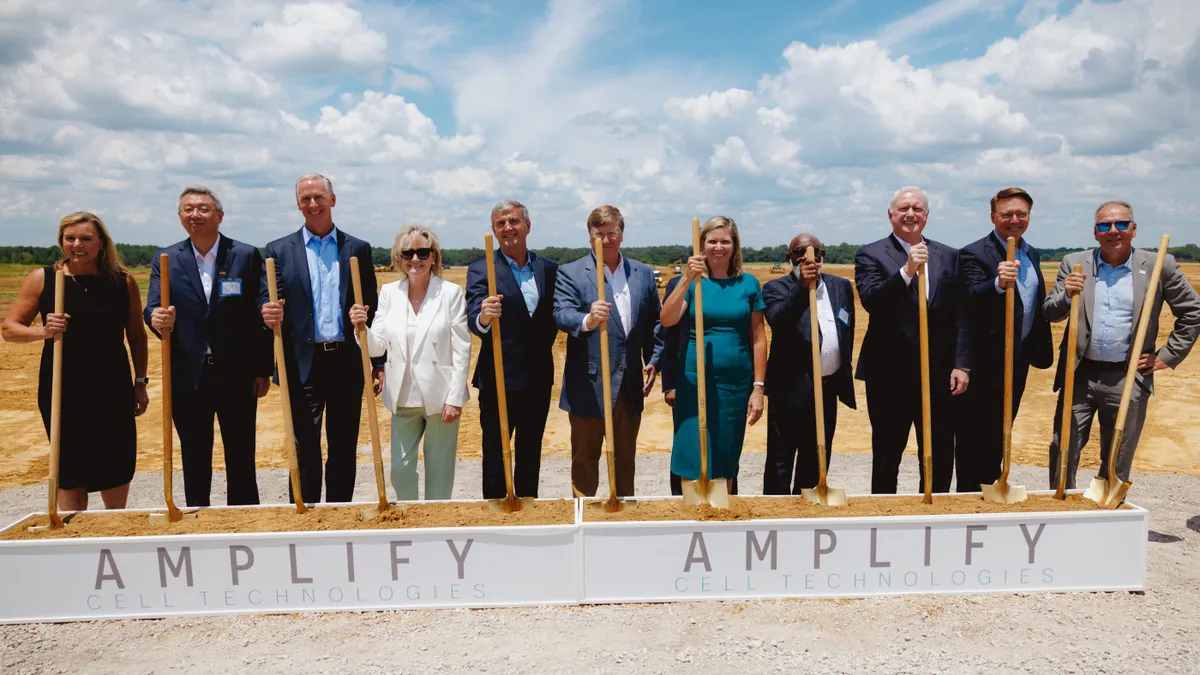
[[804, 240]]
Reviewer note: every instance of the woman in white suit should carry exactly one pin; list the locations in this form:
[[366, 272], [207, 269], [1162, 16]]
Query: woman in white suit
[[421, 324]]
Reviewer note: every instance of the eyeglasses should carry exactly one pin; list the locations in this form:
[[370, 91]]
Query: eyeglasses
[[421, 253], [202, 210], [1009, 215], [802, 252], [1122, 225], [611, 234]]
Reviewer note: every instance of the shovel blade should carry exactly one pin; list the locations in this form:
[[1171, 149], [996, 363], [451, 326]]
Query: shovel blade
[[613, 505], [825, 496], [171, 517], [1107, 495], [1003, 493], [376, 511], [718, 494], [694, 492], [1097, 491]]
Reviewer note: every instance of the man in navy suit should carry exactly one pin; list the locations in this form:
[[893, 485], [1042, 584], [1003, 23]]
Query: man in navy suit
[[630, 309], [985, 274], [221, 353], [524, 306], [791, 412], [885, 273], [324, 364]]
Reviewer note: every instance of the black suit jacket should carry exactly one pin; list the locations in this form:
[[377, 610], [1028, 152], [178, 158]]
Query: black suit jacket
[[291, 272], [230, 325], [675, 342], [526, 341], [978, 263], [891, 348], [790, 366]]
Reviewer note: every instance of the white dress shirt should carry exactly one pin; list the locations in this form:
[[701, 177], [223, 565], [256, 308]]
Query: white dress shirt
[[409, 395], [904, 275], [831, 353], [618, 283], [207, 264]]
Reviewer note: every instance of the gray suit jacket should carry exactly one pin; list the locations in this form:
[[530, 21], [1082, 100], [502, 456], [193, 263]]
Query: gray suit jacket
[[1173, 287]]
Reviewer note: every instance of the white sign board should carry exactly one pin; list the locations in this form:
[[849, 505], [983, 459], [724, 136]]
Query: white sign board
[[860, 557], [71, 579]]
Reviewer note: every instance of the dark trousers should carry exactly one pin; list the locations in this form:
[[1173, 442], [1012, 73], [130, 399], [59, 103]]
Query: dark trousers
[[334, 391], [979, 450], [587, 442], [527, 408], [792, 444], [894, 407], [228, 394]]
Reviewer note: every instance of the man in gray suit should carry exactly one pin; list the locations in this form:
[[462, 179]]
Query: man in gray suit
[[1112, 286], [630, 309]]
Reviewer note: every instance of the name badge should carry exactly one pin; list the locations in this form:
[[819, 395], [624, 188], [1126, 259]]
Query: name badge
[[843, 316], [231, 287]]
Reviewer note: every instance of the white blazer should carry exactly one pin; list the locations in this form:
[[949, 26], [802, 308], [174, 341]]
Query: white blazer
[[441, 354]]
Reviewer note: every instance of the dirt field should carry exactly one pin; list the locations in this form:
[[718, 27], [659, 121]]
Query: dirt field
[[1167, 443]]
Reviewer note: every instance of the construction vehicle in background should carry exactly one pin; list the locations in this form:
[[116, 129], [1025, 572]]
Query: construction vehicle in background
[[777, 268], [677, 265]]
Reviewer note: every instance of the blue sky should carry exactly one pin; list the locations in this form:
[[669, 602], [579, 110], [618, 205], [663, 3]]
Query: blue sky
[[787, 116]]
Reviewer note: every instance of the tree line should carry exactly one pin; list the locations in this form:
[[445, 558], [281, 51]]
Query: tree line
[[140, 255]]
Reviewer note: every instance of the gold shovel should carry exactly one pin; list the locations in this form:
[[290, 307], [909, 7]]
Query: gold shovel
[[55, 413], [289, 430], [173, 514], [511, 502], [926, 416], [1000, 491], [822, 494], [1064, 436], [612, 504], [1110, 492], [369, 401], [702, 490]]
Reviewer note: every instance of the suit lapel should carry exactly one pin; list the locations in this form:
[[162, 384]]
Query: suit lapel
[[401, 317], [633, 282], [935, 256], [345, 286], [221, 269], [301, 272], [187, 259], [1089, 289], [539, 275], [430, 307], [1141, 281], [506, 283]]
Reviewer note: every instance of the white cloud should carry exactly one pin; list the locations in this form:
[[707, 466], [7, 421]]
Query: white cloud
[[402, 79], [316, 38]]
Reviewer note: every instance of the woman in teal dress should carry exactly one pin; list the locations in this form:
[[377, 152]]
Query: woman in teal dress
[[735, 346]]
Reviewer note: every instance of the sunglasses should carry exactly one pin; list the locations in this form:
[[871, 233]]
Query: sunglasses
[[801, 253], [421, 253], [1122, 225]]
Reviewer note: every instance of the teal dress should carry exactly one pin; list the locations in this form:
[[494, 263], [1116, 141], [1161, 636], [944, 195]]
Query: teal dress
[[729, 375]]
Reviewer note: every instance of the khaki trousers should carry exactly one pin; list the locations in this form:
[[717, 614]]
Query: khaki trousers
[[587, 441]]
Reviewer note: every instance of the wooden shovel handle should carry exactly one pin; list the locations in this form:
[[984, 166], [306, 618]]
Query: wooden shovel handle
[[289, 431], [605, 377], [701, 381], [1064, 434], [369, 389], [164, 286], [56, 402], [498, 366], [926, 416], [1009, 339], [818, 386], [1135, 353]]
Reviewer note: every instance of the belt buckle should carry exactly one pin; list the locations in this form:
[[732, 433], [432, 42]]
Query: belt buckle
[[208, 358], [329, 346]]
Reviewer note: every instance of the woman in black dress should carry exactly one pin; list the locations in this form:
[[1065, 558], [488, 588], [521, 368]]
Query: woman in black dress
[[100, 398]]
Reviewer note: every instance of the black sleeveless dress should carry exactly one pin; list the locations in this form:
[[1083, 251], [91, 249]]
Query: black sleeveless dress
[[98, 448]]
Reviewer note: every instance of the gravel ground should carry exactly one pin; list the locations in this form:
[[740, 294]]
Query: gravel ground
[[1061, 633]]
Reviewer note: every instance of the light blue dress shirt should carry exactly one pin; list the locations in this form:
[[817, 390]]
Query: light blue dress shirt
[[1026, 284], [1112, 312], [325, 281], [524, 277]]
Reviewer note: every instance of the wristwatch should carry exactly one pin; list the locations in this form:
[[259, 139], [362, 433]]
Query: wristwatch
[[141, 380], [759, 384]]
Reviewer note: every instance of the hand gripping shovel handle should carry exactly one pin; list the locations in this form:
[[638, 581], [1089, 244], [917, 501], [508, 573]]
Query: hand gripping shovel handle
[[289, 431], [369, 392], [173, 513], [606, 378], [56, 404], [498, 365], [1064, 434], [926, 416]]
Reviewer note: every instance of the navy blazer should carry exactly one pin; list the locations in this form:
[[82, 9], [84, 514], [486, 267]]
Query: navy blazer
[[790, 366], [978, 265], [291, 273], [891, 348], [229, 324], [674, 340], [574, 293], [526, 341]]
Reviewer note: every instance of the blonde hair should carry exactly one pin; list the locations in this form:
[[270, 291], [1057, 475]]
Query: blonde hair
[[724, 222], [108, 263], [406, 233]]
